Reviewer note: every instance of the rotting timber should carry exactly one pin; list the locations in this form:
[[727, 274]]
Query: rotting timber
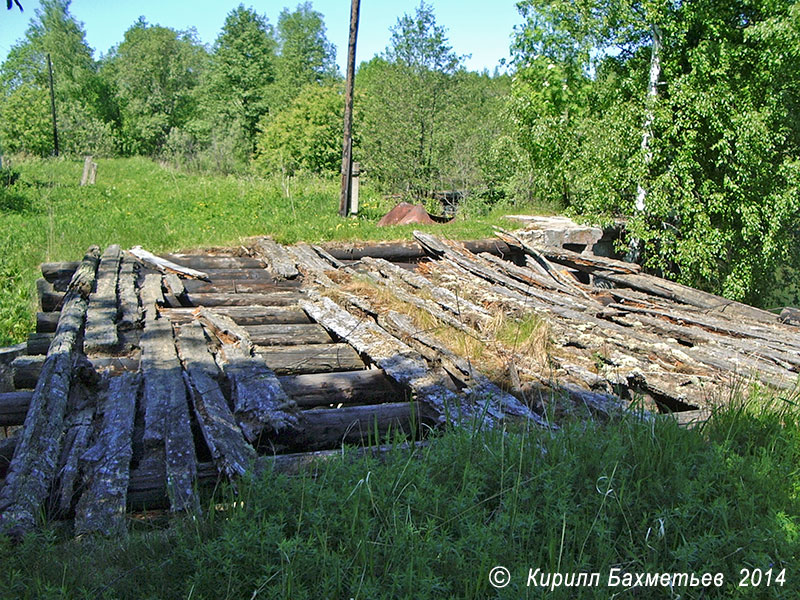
[[149, 375]]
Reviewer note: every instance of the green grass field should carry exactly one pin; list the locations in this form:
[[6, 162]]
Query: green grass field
[[47, 216], [639, 496]]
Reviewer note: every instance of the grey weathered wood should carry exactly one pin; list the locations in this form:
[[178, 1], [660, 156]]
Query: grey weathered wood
[[102, 505], [314, 358], [401, 363], [82, 405], [410, 251], [287, 335], [493, 400], [46, 322], [229, 450], [130, 313], [280, 298], [14, 407], [7, 447], [39, 343], [49, 299], [206, 262], [332, 260], [56, 271], [259, 402], [167, 432], [279, 261], [346, 388], [247, 315], [27, 369], [305, 257], [173, 290], [101, 326], [164, 265], [790, 315], [35, 462], [238, 286]]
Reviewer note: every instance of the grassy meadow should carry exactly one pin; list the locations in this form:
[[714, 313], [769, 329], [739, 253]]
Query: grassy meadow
[[642, 496], [46, 216]]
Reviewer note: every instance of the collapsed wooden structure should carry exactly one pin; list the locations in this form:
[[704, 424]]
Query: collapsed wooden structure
[[148, 374]]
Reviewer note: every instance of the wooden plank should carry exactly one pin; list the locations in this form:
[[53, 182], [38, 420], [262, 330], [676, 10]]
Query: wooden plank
[[28, 369], [206, 262], [259, 402], [316, 358], [690, 418], [287, 335], [34, 465], [130, 313], [229, 450], [101, 508], [407, 251], [790, 315], [49, 298], [173, 289], [402, 364], [46, 322], [101, 327], [7, 448], [246, 315], [279, 261], [14, 407], [281, 298], [39, 343], [167, 433], [239, 286], [345, 388], [164, 265]]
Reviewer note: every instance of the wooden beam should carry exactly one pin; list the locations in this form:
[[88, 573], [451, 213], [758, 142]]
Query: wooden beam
[[35, 462], [101, 318]]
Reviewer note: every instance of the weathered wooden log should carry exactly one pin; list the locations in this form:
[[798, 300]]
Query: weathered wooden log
[[259, 402], [229, 450], [165, 266], [130, 313], [39, 343], [205, 262], [101, 507], [58, 271], [332, 260], [307, 259], [7, 448], [281, 298], [14, 407], [27, 369], [307, 391], [49, 298], [81, 410], [408, 251], [101, 326], [288, 335], [147, 489], [790, 315], [239, 286], [461, 307], [167, 432], [279, 261], [46, 322], [246, 315], [174, 291], [691, 418], [322, 428], [34, 465], [400, 363], [259, 275], [315, 358], [478, 387], [332, 389]]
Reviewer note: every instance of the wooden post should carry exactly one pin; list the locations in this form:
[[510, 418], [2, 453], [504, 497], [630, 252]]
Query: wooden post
[[347, 144], [354, 188], [53, 106], [87, 165]]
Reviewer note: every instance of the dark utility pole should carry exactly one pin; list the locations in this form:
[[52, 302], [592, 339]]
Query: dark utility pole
[[53, 106], [347, 145]]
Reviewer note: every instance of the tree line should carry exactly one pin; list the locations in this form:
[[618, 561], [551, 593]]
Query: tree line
[[680, 118]]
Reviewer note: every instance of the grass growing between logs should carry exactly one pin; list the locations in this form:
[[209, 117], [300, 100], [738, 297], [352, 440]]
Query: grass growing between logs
[[46, 216], [641, 496]]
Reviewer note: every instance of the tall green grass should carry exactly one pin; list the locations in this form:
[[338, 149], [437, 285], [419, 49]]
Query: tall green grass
[[47, 216], [638, 495]]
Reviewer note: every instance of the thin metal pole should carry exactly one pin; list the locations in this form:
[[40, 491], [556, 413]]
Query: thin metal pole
[[53, 106], [347, 143]]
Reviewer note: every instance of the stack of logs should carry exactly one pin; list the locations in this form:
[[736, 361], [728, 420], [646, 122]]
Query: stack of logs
[[148, 374]]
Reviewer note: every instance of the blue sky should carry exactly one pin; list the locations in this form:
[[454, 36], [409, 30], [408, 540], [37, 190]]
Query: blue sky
[[476, 27]]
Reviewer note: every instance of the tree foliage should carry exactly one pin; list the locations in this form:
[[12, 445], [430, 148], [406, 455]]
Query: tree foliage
[[722, 208]]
